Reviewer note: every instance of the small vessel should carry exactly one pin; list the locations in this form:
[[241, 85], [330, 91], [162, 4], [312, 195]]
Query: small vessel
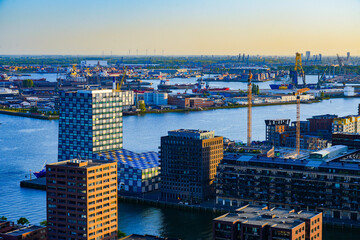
[[4, 77], [165, 84], [201, 87], [281, 86], [42, 172]]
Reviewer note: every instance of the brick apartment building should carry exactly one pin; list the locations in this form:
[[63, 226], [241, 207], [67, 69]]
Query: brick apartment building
[[82, 200]]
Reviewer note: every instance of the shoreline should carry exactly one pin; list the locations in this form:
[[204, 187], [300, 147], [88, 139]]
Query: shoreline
[[186, 110], [213, 108], [152, 200], [29, 115]]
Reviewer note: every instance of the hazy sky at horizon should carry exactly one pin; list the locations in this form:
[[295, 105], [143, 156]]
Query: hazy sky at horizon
[[266, 27]]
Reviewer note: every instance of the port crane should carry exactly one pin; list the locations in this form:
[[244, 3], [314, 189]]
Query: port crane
[[119, 85], [297, 94], [249, 109], [298, 70], [341, 64]]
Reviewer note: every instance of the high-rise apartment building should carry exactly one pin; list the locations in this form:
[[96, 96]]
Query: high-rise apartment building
[[188, 164], [82, 200], [91, 122]]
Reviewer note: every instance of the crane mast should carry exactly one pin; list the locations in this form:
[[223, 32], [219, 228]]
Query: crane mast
[[249, 122], [297, 94]]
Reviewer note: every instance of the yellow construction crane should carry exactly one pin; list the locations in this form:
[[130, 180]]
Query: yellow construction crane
[[249, 109], [122, 80], [298, 67], [297, 94], [73, 70]]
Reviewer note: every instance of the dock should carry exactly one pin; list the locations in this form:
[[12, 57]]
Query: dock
[[36, 183], [29, 115]]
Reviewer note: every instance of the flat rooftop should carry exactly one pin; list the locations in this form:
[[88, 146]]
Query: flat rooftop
[[23, 230], [332, 163], [192, 133], [261, 216], [189, 131], [80, 163]]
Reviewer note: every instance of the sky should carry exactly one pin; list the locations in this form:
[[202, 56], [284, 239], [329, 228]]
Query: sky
[[179, 27]]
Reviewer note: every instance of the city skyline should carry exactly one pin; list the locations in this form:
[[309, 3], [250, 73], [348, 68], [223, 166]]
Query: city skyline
[[179, 28]]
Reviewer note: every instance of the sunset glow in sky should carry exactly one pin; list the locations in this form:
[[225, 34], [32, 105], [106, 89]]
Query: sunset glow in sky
[[179, 27]]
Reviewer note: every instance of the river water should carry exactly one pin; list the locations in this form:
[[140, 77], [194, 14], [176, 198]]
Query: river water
[[26, 143], [232, 85]]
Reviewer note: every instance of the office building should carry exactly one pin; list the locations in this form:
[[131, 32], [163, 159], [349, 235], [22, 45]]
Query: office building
[[322, 182], [189, 159], [91, 122], [82, 200], [156, 98], [137, 172], [11, 231], [262, 223], [94, 63], [180, 101]]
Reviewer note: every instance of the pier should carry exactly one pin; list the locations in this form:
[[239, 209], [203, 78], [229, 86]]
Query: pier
[[36, 183]]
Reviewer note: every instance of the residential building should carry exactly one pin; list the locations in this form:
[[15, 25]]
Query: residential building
[[274, 128], [91, 122], [280, 133], [321, 122], [137, 172], [352, 140], [263, 223], [82, 200], [11, 231], [327, 184], [347, 124], [189, 159]]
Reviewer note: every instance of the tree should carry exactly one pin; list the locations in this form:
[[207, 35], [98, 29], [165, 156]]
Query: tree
[[23, 221], [142, 106], [121, 234], [33, 110], [3, 218], [255, 89], [28, 83], [43, 223]]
